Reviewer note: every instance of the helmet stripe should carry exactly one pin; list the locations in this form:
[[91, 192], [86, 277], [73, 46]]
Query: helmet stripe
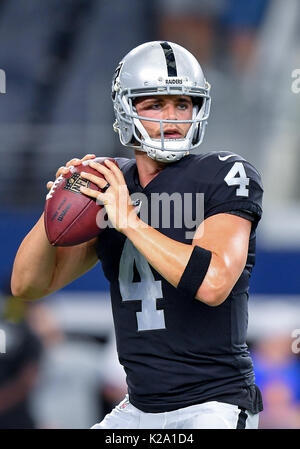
[[170, 59]]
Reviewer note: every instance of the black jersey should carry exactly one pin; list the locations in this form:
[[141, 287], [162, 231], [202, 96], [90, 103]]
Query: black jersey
[[176, 350]]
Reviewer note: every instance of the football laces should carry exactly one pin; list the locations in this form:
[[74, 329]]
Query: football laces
[[54, 185]]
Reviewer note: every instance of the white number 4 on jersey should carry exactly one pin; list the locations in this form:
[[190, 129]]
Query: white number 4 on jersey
[[241, 181]]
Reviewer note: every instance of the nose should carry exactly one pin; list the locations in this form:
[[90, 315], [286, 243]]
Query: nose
[[170, 112]]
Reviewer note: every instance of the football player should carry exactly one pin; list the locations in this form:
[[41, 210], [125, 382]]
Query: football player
[[178, 254]]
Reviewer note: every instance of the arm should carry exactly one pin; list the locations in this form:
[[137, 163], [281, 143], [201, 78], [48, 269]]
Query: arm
[[225, 235], [40, 269]]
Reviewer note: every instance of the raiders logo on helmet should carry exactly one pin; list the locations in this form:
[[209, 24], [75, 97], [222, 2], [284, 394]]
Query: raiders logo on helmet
[[115, 81]]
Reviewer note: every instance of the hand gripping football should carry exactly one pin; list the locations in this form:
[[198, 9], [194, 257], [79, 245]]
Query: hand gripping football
[[70, 216]]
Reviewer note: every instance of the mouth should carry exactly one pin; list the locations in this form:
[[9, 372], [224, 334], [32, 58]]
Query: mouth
[[172, 134]]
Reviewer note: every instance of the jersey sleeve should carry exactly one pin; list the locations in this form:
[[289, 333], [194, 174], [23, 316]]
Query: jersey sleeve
[[236, 189], [123, 163]]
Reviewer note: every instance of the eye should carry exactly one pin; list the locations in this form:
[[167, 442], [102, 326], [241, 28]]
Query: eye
[[151, 106], [155, 106], [182, 106]]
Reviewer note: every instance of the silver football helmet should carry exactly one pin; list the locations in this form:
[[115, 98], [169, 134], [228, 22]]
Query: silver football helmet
[[159, 68]]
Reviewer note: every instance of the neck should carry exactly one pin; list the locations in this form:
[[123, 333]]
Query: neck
[[147, 167]]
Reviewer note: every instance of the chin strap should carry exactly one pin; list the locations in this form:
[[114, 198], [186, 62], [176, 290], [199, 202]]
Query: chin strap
[[163, 155]]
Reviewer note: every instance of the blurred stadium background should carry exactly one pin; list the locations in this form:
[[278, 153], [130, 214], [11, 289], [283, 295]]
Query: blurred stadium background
[[58, 57]]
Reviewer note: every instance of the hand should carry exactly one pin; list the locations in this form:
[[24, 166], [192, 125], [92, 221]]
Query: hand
[[115, 199], [64, 170]]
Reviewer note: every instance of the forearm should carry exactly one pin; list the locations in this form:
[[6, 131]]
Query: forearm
[[41, 269], [167, 256], [34, 264]]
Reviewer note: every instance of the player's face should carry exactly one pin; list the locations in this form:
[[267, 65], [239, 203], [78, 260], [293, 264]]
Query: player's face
[[166, 107]]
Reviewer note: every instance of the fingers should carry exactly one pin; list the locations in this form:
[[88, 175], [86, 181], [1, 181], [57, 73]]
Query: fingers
[[106, 172], [100, 182], [76, 161], [88, 156], [110, 171], [73, 162], [115, 169], [64, 170], [101, 199], [113, 177], [61, 171]]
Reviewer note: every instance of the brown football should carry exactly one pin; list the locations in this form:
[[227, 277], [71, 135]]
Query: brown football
[[70, 216]]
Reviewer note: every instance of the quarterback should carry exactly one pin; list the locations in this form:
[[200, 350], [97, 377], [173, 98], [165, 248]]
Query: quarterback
[[179, 298]]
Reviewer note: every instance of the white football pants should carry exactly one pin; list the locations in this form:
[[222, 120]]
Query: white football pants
[[209, 415]]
